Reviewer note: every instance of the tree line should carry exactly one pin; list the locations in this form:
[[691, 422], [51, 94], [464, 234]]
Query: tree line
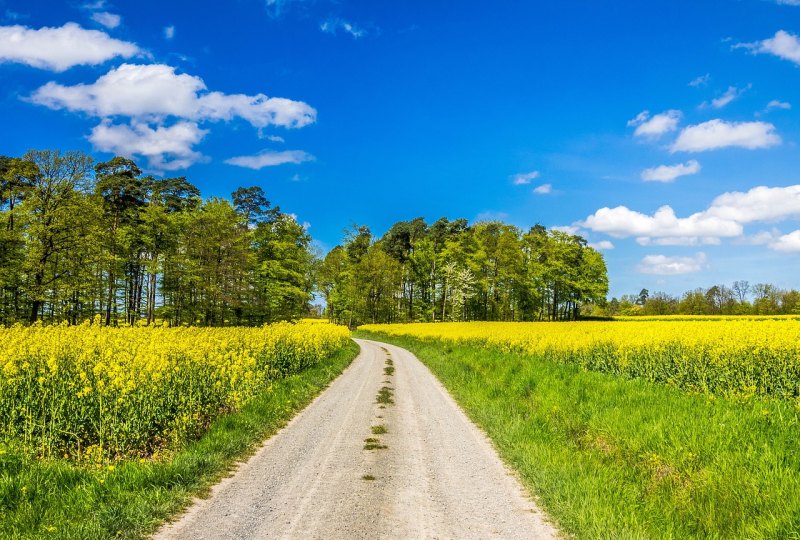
[[741, 298], [80, 239], [454, 271]]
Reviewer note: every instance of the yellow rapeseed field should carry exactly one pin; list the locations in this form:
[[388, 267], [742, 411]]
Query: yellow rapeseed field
[[93, 392], [730, 356]]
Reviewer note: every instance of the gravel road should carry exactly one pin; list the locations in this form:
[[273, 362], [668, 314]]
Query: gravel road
[[437, 477]]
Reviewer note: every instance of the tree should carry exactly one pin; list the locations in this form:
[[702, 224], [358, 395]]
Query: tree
[[52, 210]]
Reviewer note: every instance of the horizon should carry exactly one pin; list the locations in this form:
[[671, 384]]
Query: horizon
[[664, 134]]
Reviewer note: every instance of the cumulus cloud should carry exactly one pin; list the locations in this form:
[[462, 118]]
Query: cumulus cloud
[[717, 133], [668, 173], [759, 204], [783, 45], [166, 148], [59, 49], [275, 138], [654, 126], [666, 266], [523, 179], [569, 229], [602, 245], [270, 158], [164, 111], [724, 218], [787, 243], [109, 20], [544, 189], [334, 25], [621, 222], [156, 91]]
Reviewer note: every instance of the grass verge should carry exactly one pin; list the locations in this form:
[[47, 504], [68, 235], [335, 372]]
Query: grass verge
[[614, 458], [58, 499]]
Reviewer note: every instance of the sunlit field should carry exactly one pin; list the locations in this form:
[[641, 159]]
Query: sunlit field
[[728, 356], [94, 393], [659, 428]]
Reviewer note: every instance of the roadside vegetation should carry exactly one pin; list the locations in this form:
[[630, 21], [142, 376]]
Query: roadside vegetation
[[614, 454], [109, 431]]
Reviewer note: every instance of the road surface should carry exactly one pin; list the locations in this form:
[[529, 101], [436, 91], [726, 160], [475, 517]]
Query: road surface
[[433, 474]]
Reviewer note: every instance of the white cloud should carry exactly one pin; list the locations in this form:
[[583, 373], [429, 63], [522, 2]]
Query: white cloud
[[621, 222], [789, 2], [724, 218], [523, 179], [760, 238], [544, 189], [331, 26], [788, 242], [569, 229], [165, 110], [678, 241], [155, 91], [663, 265], [169, 32], [655, 126], [166, 148], [717, 133], [776, 104], [782, 44], [730, 94], [270, 158], [668, 173], [109, 20], [275, 138], [701, 80], [762, 203], [59, 49], [602, 245]]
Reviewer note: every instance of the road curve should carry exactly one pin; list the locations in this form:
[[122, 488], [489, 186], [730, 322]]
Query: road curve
[[438, 476]]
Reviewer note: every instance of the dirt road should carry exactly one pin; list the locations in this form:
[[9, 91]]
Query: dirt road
[[327, 475]]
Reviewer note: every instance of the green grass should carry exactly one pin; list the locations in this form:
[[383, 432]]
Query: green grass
[[384, 396], [379, 430], [58, 499], [609, 457]]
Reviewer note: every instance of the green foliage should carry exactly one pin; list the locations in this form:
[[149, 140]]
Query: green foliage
[[739, 299], [609, 457], [455, 271], [79, 239], [60, 499]]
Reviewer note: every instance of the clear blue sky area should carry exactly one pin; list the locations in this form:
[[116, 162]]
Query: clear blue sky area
[[664, 132]]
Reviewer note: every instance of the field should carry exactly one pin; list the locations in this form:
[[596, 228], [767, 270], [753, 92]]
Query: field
[[634, 429], [726, 356], [106, 431]]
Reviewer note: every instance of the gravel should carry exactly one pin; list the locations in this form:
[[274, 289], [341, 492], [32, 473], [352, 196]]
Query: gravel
[[439, 476]]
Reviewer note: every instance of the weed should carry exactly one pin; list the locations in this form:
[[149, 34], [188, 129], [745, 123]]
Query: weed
[[385, 396]]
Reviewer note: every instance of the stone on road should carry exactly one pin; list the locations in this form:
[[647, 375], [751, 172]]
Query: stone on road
[[437, 477]]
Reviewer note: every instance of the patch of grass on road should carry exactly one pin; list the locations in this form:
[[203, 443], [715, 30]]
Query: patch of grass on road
[[615, 458], [379, 430], [384, 396], [59, 499]]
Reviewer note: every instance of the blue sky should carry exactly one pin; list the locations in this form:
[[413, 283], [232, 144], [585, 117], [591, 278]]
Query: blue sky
[[587, 115]]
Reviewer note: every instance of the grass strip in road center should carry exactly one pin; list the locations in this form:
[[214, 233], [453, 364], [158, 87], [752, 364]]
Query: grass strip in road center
[[59, 499], [610, 457]]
